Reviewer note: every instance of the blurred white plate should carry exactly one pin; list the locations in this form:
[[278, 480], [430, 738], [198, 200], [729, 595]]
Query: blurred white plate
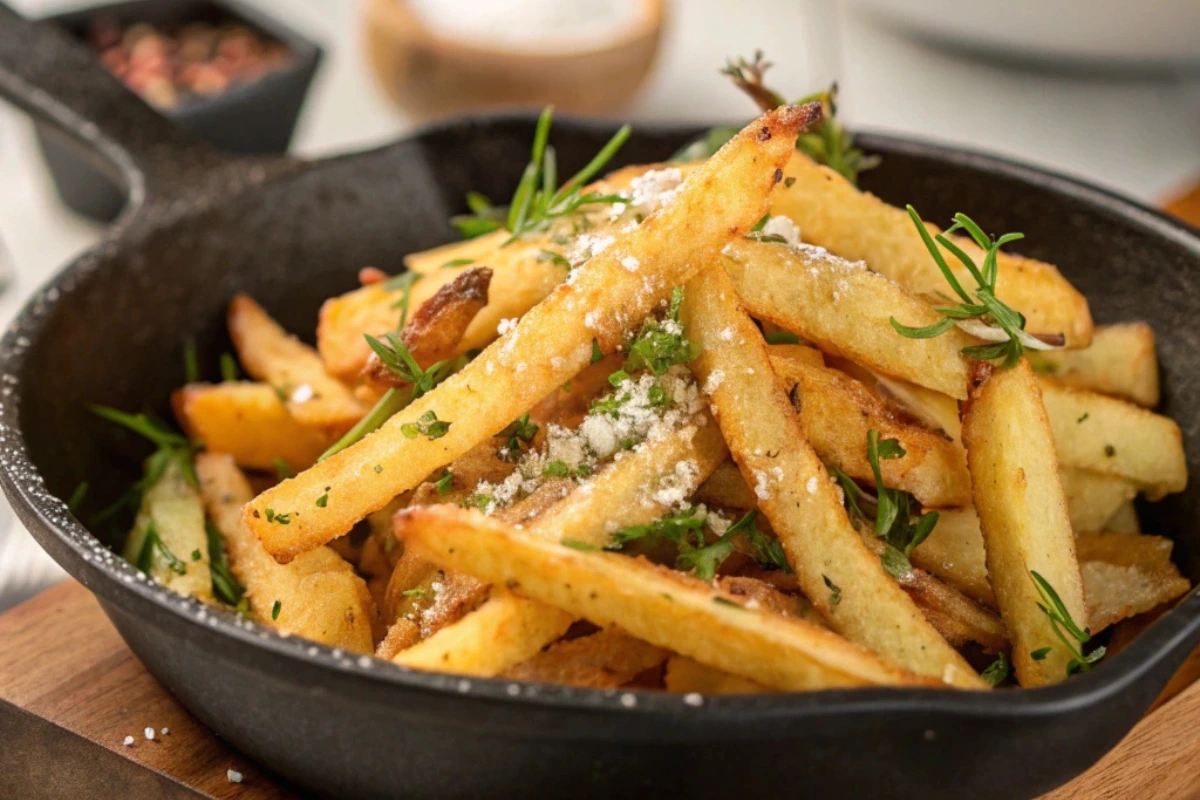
[[1106, 33]]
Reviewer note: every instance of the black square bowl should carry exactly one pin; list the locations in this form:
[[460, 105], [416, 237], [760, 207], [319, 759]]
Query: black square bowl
[[256, 117]]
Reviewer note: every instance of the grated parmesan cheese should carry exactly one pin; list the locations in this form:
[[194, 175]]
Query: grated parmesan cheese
[[782, 227]]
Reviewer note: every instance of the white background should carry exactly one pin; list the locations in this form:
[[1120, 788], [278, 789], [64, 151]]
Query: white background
[[1138, 136]]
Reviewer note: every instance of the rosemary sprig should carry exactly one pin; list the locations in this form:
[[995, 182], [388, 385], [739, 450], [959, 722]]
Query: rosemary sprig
[[399, 360], [981, 304], [170, 446], [536, 202], [1064, 626], [892, 514]]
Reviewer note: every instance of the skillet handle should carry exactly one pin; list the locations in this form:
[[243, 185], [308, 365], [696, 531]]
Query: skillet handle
[[57, 79]]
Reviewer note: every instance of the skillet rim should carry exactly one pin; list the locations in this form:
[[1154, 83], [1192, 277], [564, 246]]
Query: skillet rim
[[105, 573]]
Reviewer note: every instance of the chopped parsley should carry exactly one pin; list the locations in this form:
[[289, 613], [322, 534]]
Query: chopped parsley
[[427, 425], [781, 337], [596, 354], [517, 436], [661, 344], [323, 500], [444, 483], [1039, 654], [457, 262], [196, 555], [275, 609], [579, 544], [698, 556], [835, 591], [725, 601], [283, 469], [415, 593], [996, 672], [560, 469]]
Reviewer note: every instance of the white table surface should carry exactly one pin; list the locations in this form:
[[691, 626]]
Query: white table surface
[[1139, 137]]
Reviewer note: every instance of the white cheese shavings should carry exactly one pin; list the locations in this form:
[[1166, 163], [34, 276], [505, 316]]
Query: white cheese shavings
[[784, 228]]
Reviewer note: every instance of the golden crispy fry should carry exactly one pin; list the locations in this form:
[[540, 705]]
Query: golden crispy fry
[[654, 604], [836, 571], [249, 422], [318, 595], [621, 494], [836, 412], [602, 660], [845, 309], [938, 411], [687, 676], [727, 488], [434, 331], [522, 277], [1125, 520], [1023, 515], [270, 354], [804, 354], [1120, 362], [551, 343], [1093, 499], [1113, 437], [1127, 574], [171, 510], [834, 214], [954, 552], [428, 262]]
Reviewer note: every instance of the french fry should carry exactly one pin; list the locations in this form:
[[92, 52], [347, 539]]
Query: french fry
[[1126, 574], [654, 604], [1112, 437], [836, 412], [317, 596], [602, 660], [938, 411], [727, 488], [433, 332], [549, 345], [845, 309], [1023, 514], [836, 215], [621, 494], [954, 552], [270, 354], [168, 540], [1120, 362], [808, 356], [248, 421], [1125, 520], [427, 262], [836, 571], [687, 676], [1093, 499]]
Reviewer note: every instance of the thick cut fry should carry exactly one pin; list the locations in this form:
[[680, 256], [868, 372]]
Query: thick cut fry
[[249, 422], [836, 412], [622, 494], [845, 309], [603, 660], [688, 676], [168, 535], [434, 331], [428, 262], [938, 411], [1120, 362], [727, 488], [270, 354], [1023, 515], [317, 596], [550, 344], [1093, 499], [809, 356], [1113, 437], [836, 571], [834, 214], [1125, 520], [1126, 574], [654, 604]]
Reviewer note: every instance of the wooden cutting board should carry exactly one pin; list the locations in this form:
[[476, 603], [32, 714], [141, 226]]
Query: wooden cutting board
[[71, 691]]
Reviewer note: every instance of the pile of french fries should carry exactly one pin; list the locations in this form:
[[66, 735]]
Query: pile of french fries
[[633, 446]]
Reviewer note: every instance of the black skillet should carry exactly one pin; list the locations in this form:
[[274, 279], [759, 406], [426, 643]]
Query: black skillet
[[201, 226]]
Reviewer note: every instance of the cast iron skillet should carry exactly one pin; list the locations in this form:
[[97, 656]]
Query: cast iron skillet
[[201, 227]]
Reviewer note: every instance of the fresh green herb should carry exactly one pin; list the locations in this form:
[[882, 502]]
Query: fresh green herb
[[557, 258], [191, 364], [756, 233], [196, 554], [153, 542], [225, 586], [782, 337], [596, 354], [457, 262], [171, 446], [1039, 654], [700, 557], [478, 500], [789, 181], [242, 609], [391, 403], [724, 601], [281, 392], [396, 356], [283, 469], [323, 500], [415, 592], [1064, 626], [983, 305], [579, 544], [402, 283], [1086, 414], [661, 344], [77, 497], [835, 591], [893, 514], [229, 368], [996, 672], [282, 519], [270, 515], [427, 425], [517, 436], [444, 483], [536, 202], [275, 609]]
